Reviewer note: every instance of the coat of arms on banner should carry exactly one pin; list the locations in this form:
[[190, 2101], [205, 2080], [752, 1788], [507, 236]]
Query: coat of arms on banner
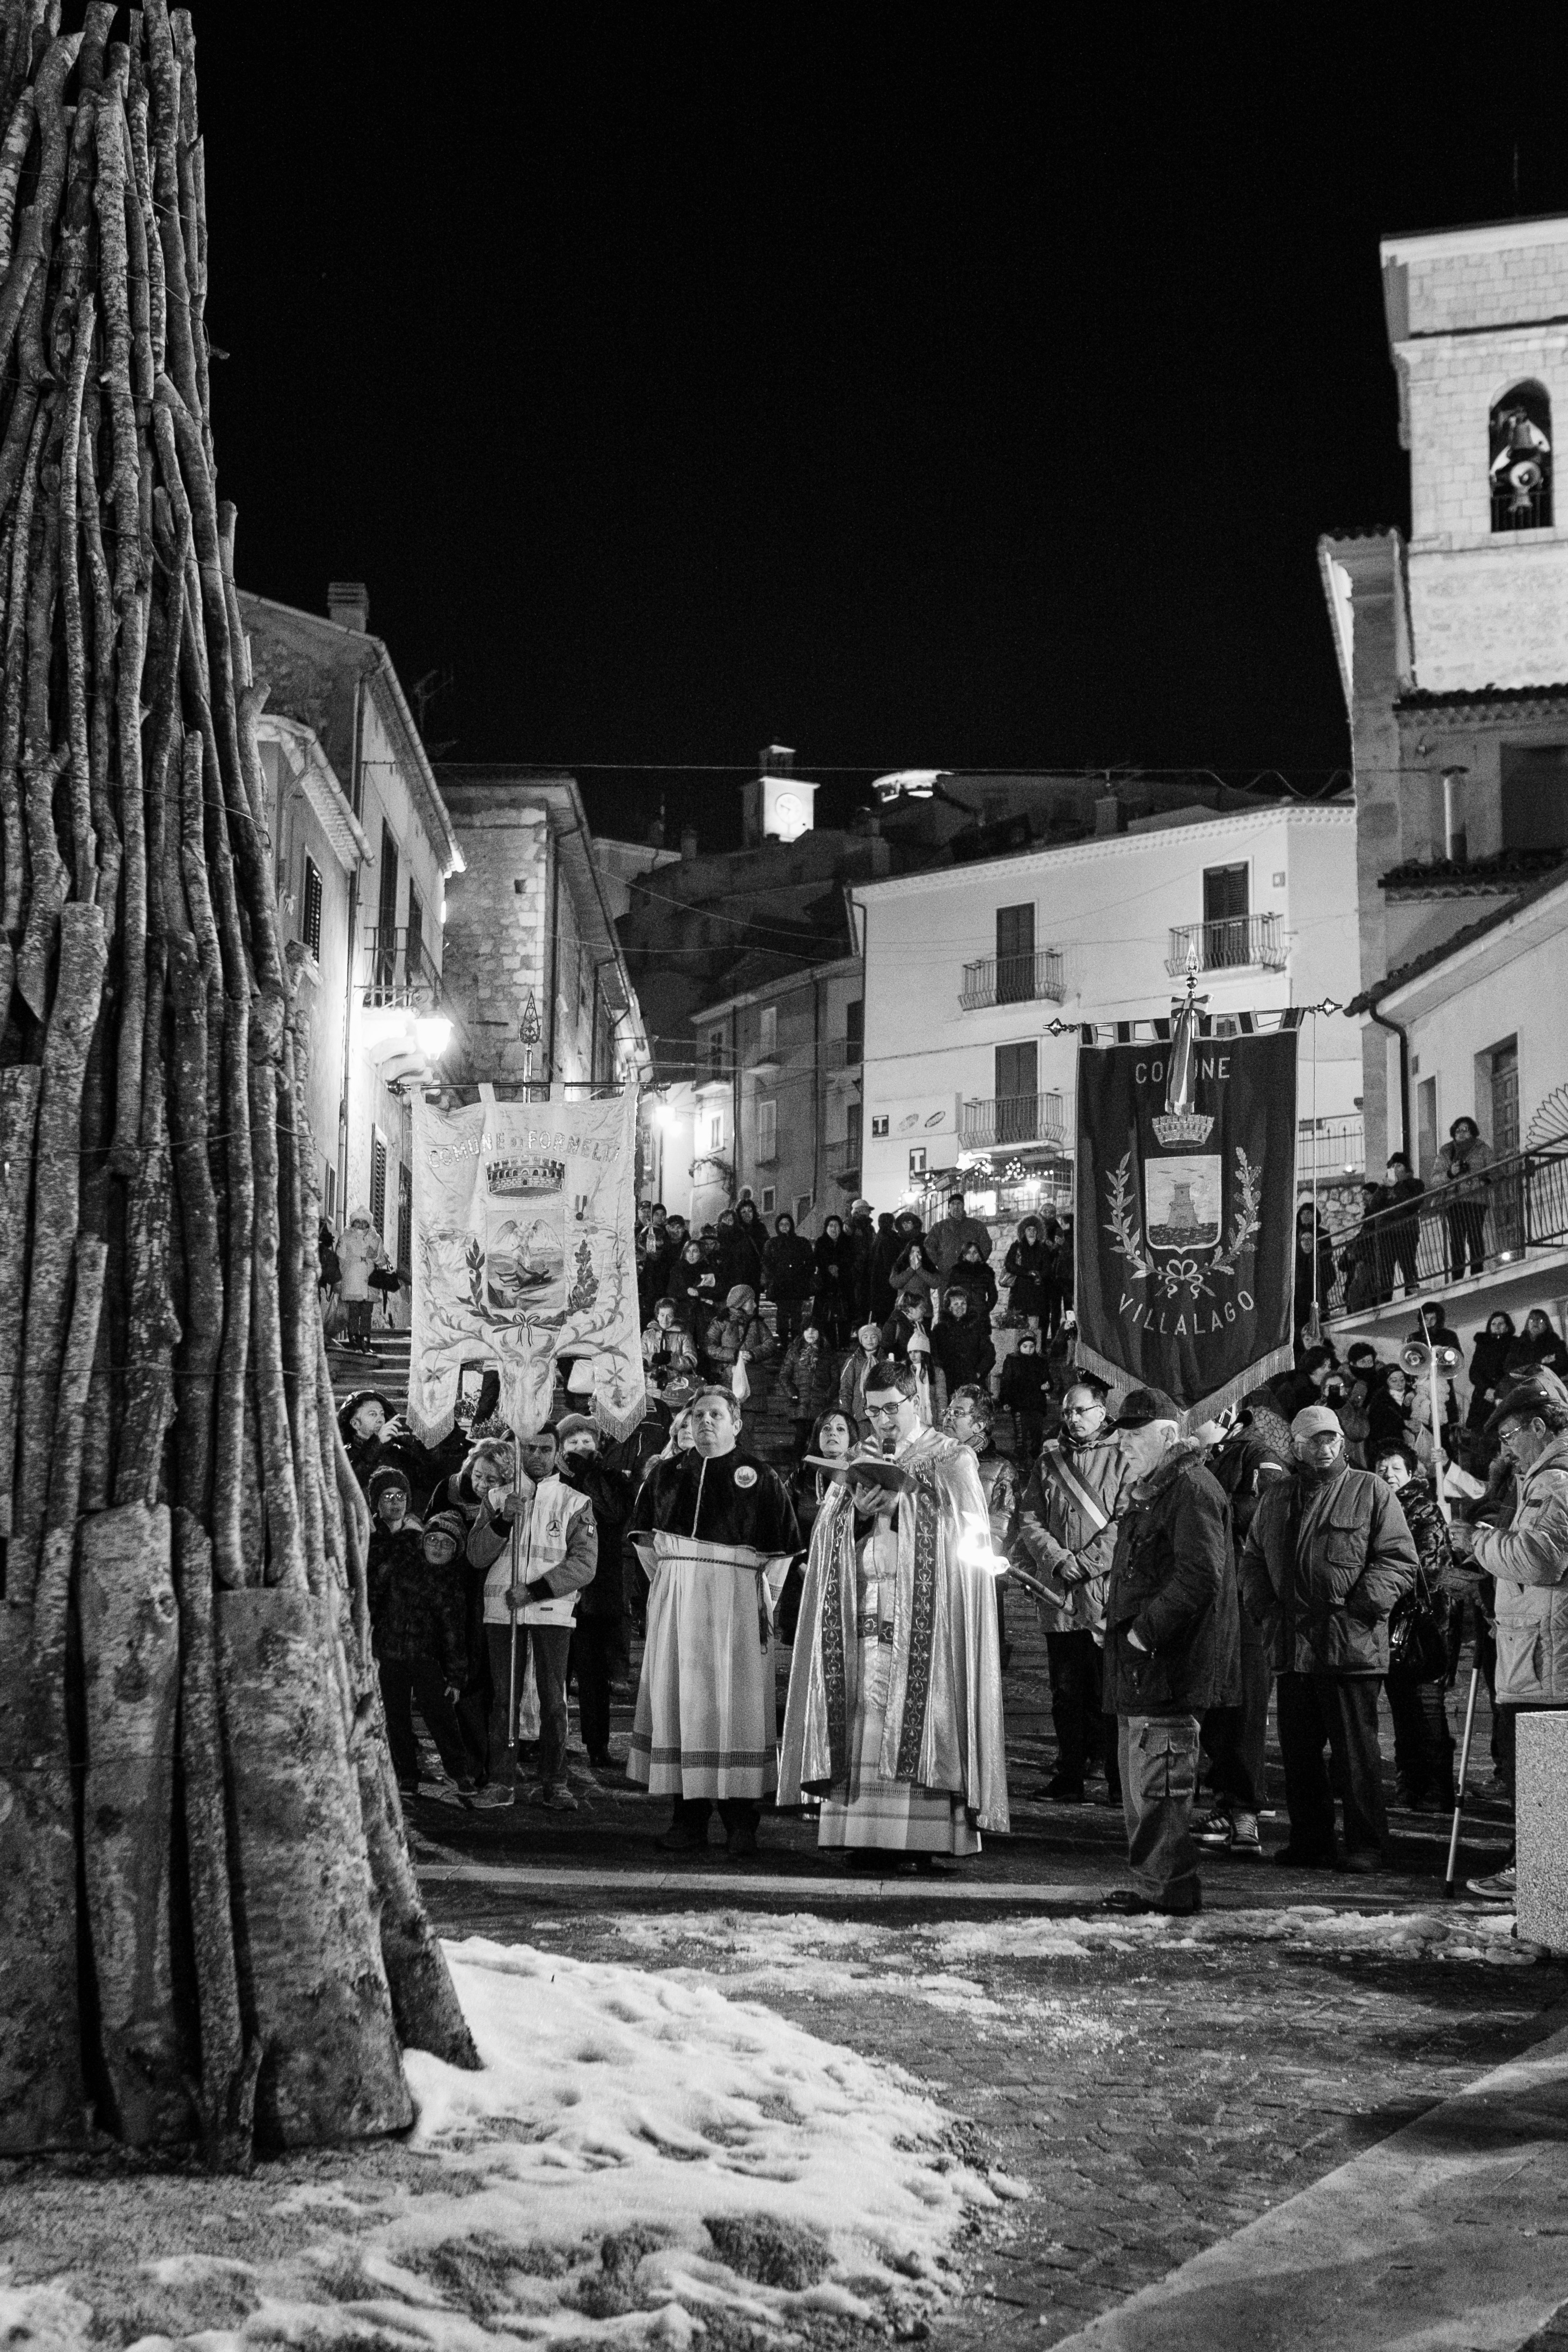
[[1176, 1247], [1185, 1183], [524, 1260]]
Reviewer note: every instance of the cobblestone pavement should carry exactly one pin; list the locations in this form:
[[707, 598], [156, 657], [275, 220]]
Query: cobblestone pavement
[[1154, 2091]]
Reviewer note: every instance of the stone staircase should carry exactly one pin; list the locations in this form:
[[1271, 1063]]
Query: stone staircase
[[387, 1370]]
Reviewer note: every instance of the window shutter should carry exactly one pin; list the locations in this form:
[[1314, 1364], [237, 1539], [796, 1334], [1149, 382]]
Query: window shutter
[[405, 1219], [310, 910], [378, 1184], [1015, 954]]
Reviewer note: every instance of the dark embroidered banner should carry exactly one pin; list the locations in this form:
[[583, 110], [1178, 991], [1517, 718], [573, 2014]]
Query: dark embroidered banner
[[1186, 1182]]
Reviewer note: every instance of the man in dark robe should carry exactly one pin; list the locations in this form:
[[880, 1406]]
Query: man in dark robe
[[716, 1531]]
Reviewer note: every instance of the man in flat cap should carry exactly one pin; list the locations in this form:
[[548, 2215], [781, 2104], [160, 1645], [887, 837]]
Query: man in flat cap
[[1328, 1554]]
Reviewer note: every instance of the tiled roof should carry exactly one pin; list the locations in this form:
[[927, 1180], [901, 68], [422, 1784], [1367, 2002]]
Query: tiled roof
[[1491, 921], [1508, 873], [1469, 697]]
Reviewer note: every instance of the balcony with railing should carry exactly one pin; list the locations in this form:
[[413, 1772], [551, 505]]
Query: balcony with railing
[[1014, 980], [1013, 1118], [843, 1052], [1239, 944], [1331, 1152], [1457, 1238], [398, 970], [843, 1159]]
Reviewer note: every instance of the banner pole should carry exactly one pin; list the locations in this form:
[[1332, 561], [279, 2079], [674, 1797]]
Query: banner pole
[[511, 1611]]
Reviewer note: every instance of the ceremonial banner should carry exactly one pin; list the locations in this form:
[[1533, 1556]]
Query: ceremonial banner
[[523, 1257], [1185, 1194]]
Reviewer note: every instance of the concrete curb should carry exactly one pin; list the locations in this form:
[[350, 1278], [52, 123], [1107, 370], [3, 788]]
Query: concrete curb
[[1449, 2236]]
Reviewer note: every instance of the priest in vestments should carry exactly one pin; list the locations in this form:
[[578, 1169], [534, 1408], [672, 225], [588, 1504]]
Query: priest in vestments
[[716, 1531], [894, 1715]]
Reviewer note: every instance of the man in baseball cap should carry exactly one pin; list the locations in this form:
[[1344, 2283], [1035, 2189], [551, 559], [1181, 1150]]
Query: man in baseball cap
[[1328, 1554]]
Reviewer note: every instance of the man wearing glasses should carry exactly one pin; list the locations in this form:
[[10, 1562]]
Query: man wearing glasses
[[1328, 1554], [894, 1717], [1067, 1530], [1529, 1558]]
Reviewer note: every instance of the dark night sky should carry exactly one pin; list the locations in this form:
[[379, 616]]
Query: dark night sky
[[917, 386]]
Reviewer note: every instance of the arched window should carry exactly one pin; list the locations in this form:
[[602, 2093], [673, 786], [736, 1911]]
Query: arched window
[[1520, 467]]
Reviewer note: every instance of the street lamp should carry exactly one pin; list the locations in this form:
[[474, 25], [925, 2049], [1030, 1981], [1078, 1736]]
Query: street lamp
[[527, 1029]]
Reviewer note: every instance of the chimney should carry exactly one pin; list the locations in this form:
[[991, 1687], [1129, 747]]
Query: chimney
[[777, 759], [656, 831], [1107, 814], [1455, 840], [689, 841], [348, 604]]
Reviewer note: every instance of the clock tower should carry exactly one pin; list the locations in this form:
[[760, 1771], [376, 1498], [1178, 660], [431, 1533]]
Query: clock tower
[[777, 805]]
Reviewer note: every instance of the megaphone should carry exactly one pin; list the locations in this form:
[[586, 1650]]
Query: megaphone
[[1414, 1356]]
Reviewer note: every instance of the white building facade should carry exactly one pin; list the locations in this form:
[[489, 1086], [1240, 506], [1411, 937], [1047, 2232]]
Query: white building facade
[[364, 845], [1483, 1028], [977, 977]]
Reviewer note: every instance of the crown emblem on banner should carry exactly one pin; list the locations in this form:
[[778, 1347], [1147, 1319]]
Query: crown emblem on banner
[[1175, 1128], [524, 1175]]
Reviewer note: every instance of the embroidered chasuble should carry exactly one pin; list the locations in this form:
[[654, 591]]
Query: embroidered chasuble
[[894, 1715]]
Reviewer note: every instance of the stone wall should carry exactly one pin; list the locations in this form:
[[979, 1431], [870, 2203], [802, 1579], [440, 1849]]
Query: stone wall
[[497, 937]]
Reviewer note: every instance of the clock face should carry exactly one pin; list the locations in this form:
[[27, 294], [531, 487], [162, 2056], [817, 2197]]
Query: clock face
[[789, 815]]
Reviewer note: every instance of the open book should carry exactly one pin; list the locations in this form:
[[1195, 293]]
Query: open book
[[870, 1469]]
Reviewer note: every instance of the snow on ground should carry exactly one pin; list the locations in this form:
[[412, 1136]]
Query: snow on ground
[[642, 2159], [827, 1958], [1485, 1936], [831, 1960]]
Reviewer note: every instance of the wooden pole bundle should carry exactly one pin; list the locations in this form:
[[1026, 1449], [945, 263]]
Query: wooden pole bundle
[[210, 1929]]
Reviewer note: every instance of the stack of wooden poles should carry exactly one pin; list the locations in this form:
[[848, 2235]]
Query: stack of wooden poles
[[209, 1928]]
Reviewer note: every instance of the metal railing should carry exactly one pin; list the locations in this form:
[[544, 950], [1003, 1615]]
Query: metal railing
[[398, 970], [1233, 945], [1332, 1152], [1013, 1118], [1524, 509], [1014, 980], [842, 1158], [843, 1052], [1453, 1233]]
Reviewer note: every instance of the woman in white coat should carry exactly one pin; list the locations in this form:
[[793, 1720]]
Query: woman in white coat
[[360, 1250]]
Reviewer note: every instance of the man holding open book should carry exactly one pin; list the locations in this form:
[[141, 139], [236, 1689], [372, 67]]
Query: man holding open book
[[894, 1715]]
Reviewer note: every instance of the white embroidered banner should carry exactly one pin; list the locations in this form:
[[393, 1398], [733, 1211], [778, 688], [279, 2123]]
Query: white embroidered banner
[[524, 1258]]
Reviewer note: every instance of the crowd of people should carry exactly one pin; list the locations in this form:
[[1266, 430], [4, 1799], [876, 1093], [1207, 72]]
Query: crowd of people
[[1382, 1257], [1297, 1549]]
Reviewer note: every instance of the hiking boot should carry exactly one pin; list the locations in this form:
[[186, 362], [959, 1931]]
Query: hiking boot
[[1500, 1888], [555, 1794], [1128, 1903]]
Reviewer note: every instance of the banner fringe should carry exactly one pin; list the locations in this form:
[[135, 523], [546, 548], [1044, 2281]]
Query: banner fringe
[[622, 1425], [429, 1432], [1204, 1408]]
